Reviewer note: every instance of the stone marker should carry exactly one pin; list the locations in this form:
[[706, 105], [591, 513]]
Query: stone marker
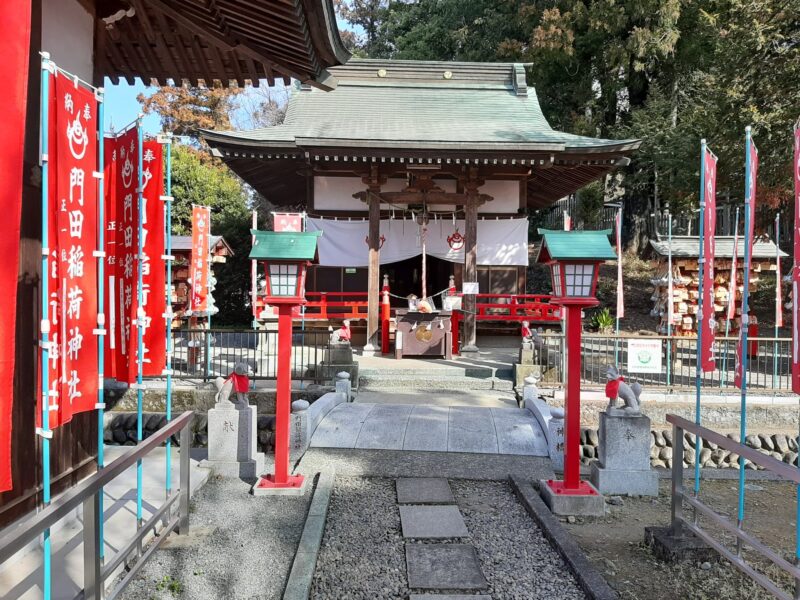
[[424, 490], [232, 450], [444, 567], [624, 453], [432, 522]]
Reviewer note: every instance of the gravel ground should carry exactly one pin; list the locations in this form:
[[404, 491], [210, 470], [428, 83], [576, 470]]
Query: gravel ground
[[516, 559], [363, 556], [405, 463], [239, 547]]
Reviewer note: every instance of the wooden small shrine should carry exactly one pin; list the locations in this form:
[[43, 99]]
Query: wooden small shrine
[[685, 279]]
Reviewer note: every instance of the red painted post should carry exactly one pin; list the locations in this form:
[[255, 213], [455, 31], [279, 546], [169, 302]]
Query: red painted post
[[455, 320], [572, 401], [386, 313], [283, 398]]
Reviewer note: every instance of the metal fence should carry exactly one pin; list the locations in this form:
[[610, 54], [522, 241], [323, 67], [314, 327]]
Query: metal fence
[[728, 537], [172, 515], [768, 366], [206, 354]]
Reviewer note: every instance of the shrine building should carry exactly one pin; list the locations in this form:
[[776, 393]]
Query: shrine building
[[406, 158]]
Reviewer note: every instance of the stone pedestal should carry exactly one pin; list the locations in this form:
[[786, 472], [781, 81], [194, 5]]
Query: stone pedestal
[[588, 503], [232, 450], [267, 349], [338, 357], [624, 453]]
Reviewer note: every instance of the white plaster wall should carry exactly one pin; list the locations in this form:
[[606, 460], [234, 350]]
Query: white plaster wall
[[505, 194], [68, 35], [336, 193]]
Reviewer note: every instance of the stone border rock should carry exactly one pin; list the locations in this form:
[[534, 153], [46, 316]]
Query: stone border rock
[[298, 586], [780, 446], [589, 579]]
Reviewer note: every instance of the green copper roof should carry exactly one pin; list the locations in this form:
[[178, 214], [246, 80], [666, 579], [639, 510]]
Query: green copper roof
[[419, 105], [285, 245], [561, 245]]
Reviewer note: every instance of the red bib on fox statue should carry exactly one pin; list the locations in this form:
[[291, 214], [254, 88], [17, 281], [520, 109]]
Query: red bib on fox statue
[[612, 388]]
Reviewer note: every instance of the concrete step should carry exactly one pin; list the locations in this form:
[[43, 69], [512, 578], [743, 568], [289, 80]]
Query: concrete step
[[420, 382]]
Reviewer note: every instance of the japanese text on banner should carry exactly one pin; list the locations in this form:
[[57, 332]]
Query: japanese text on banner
[[201, 230], [73, 239]]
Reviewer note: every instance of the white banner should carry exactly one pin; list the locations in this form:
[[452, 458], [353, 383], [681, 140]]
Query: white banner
[[501, 242]]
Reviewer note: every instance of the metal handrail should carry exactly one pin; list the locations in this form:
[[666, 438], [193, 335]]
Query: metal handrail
[[680, 524], [87, 493]]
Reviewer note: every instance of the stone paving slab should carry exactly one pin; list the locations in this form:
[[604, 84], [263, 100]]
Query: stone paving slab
[[518, 432], [432, 522], [424, 490], [444, 567], [427, 429], [479, 430], [384, 427], [471, 430], [341, 426]]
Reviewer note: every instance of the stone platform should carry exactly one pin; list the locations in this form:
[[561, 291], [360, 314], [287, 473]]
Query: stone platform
[[431, 428]]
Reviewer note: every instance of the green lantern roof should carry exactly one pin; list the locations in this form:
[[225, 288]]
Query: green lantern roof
[[575, 245], [285, 245]]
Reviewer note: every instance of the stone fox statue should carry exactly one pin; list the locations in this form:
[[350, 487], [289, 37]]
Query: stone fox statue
[[617, 388]]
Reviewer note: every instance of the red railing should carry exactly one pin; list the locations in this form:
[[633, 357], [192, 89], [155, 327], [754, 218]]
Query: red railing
[[536, 308], [336, 305]]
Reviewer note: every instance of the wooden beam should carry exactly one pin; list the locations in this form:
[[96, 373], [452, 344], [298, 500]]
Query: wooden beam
[[470, 259], [373, 265]]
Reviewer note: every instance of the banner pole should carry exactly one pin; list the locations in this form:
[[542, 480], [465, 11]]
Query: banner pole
[[619, 282], [101, 317], [732, 292], [699, 319], [168, 308], [254, 274], [139, 323], [670, 288], [777, 296], [44, 432], [748, 217]]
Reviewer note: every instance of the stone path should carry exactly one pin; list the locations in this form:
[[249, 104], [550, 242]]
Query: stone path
[[428, 512], [431, 428]]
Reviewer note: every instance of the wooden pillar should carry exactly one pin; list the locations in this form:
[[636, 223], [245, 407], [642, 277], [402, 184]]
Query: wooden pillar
[[373, 267], [470, 262]]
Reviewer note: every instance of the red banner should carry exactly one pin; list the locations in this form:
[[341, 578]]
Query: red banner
[[72, 240], [796, 269], [287, 222], [710, 228], [111, 296], [15, 23], [750, 212], [201, 230], [126, 247], [154, 277]]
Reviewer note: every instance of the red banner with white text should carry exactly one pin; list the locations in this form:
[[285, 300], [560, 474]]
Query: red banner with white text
[[111, 299], [750, 208], [201, 230], [126, 247], [154, 277], [796, 268], [16, 27], [72, 240], [708, 324]]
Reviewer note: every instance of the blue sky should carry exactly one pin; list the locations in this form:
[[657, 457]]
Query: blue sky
[[121, 107]]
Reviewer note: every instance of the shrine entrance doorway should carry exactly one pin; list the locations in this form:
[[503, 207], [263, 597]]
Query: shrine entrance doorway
[[405, 277]]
